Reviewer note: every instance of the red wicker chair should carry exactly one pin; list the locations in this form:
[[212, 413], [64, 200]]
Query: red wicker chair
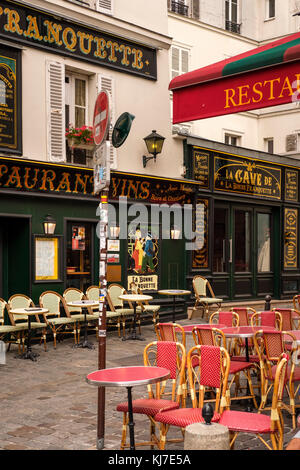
[[270, 347], [216, 337], [260, 424], [224, 318], [267, 318], [172, 356], [209, 372], [287, 318], [170, 332]]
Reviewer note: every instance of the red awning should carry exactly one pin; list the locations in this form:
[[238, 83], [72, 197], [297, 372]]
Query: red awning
[[265, 76]]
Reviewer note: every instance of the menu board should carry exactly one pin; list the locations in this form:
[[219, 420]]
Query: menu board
[[10, 135], [201, 167], [46, 258]]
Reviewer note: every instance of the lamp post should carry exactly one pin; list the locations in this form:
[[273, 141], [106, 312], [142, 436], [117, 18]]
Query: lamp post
[[154, 143]]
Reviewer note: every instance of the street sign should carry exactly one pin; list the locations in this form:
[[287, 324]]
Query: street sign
[[121, 129], [102, 167], [101, 117]]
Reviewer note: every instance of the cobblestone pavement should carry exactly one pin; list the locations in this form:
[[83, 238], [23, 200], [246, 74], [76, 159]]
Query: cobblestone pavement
[[47, 404]]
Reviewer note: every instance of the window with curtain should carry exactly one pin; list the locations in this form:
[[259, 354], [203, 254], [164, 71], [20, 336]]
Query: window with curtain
[[231, 16]]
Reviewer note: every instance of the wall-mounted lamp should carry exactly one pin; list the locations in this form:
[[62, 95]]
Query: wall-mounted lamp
[[114, 231], [49, 224], [175, 233], [154, 143]]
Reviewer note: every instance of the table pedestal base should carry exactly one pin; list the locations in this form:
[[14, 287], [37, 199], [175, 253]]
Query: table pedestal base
[[84, 344], [133, 336]]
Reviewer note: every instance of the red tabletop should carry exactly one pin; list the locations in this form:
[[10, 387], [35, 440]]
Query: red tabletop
[[127, 376], [246, 331], [189, 328]]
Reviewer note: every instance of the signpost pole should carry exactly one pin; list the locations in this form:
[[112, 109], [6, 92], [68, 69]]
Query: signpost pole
[[102, 312], [101, 186]]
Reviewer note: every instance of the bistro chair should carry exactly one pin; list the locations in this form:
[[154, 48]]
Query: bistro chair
[[9, 333], [270, 347], [267, 318], [209, 372], [114, 291], [287, 315], [216, 337], [245, 314], [230, 319], [201, 285], [170, 355], [170, 332], [73, 294], [113, 316], [58, 325], [92, 293], [23, 301], [260, 424], [144, 308]]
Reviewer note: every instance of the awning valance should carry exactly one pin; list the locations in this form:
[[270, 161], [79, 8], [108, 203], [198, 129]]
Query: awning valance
[[264, 76]]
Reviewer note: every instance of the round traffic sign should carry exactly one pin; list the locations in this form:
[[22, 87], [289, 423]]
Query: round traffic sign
[[101, 117]]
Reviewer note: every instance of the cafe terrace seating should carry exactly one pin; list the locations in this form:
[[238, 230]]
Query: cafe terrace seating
[[201, 285], [73, 294], [245, 314], [209, 372], [261, 424], [58, 325], [170, 332], [144, 308], [216, 337], [8, 333], [23, 301], [270, 346], [117, 305], [170, 355], [230, 319]]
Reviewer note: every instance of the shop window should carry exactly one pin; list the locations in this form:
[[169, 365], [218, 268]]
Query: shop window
[[263, 242], [179, 61], [231, 16], [79, 255]]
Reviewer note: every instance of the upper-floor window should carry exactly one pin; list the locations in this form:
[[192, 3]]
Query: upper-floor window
[[269, 145], [104, 6], [270, 9], [179, 6], [179, 61], [232, 139], [231, 16]]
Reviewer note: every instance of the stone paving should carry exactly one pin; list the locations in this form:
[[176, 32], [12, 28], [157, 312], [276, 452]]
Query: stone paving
[[47, 404]]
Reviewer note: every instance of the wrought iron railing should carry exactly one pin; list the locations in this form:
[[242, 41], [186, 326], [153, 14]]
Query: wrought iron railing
[[233, 27], [179, 7]]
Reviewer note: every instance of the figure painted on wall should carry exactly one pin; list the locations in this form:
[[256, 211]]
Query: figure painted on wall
[[147, 263], [138, 251]]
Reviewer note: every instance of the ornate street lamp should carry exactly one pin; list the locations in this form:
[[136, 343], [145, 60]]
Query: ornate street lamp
[[154, 143]]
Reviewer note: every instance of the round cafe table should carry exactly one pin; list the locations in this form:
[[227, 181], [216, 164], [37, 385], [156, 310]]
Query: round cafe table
[[83, 305], [128, 377], [174, 293], [134, 298], [29, 312], [208, 326]]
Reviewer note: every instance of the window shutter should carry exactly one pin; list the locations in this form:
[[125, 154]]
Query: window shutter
[[106, 83], [55, 111], [196, 9], [104, 6], [175, 61], [184, 61]]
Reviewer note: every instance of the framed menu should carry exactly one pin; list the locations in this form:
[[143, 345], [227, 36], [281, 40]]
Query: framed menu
[[46, 258]]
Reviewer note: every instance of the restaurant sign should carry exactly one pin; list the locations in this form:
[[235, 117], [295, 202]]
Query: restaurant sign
[[245, 176], [40, 29]]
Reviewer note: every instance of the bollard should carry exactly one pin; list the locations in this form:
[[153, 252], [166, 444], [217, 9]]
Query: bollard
[[206, 436], [268, 302]]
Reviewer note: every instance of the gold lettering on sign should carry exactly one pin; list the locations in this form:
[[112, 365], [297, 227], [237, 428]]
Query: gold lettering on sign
[[32, 30], [53, 33], [290, 238]]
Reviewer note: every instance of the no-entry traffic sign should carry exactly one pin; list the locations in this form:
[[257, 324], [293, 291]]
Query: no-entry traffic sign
[[101, 117]]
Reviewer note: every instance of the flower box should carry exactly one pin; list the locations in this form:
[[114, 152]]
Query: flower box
[[73, 144], [80, 137]]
